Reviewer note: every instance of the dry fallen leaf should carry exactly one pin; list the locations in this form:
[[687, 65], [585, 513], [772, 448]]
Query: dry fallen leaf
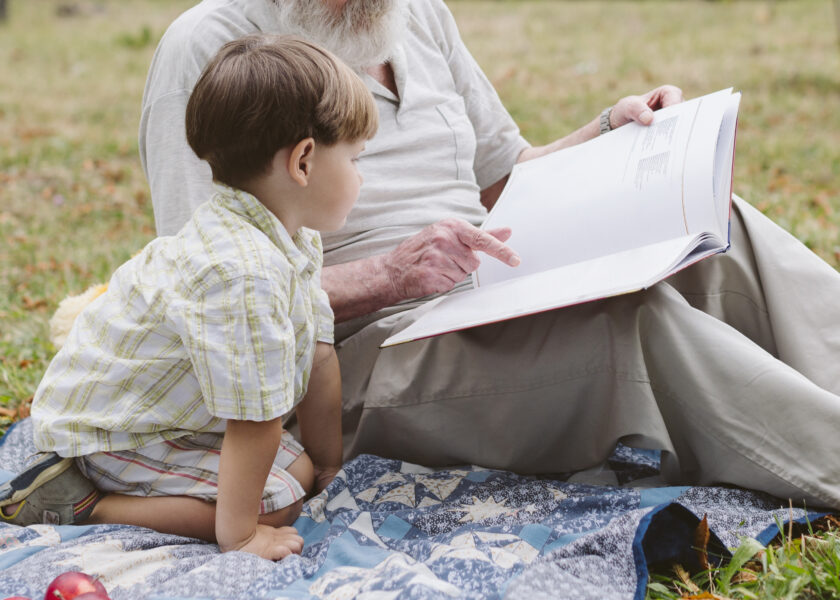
[[24, 409], [705, 596], [30, 304], [744, 577], [701, 543], [683, 576]]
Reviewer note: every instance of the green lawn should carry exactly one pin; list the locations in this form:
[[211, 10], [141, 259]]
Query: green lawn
[[74, 203]]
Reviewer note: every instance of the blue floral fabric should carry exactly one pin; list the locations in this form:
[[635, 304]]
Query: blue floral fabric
[[390, 529]]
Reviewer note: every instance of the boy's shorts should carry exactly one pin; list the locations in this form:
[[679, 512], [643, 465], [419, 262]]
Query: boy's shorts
[[187, 466]]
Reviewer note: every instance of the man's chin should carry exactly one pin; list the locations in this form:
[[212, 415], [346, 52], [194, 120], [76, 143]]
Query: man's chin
[[352, 37]]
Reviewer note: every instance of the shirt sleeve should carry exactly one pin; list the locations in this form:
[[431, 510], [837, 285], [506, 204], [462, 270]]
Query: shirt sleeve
[[323, 312], [241, 343], [498, 141]]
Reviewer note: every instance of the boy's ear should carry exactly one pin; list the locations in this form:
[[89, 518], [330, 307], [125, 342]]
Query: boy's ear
[[300, 161]]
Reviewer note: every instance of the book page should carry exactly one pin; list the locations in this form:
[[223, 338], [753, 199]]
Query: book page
[[712, 151], [618, 191], [611, 216], [627, 271]]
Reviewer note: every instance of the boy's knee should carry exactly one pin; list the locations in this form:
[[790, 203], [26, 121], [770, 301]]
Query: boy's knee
[[303, 471]]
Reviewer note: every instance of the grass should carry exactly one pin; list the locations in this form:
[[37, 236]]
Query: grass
[[803, 567], [74, 203]]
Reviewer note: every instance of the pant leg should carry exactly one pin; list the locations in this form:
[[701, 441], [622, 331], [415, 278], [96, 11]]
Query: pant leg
[[554, 392], [773, 289]]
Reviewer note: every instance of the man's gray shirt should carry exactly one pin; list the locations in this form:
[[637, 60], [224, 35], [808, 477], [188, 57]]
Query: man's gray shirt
[[446, 136]]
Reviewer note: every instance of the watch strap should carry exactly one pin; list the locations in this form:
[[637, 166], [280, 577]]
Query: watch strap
[[605, 120]]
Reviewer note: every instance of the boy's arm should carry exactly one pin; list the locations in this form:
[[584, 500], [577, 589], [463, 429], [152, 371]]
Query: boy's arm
[[319, 416], [248, 451]]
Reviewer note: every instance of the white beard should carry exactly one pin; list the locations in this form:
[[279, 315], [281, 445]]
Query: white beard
[[364, 33]]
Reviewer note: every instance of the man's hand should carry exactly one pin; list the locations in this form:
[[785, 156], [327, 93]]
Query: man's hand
[[640, 108], [629, 108], [440, 255]]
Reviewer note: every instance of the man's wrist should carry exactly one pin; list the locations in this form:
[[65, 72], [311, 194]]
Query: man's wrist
[[358, 288]]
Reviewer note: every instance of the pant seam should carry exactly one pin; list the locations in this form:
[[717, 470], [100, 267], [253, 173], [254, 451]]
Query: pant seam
[[624, 375], [755, 305]]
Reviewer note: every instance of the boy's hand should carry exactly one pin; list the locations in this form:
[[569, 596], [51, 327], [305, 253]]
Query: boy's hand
[[323, 477], [272, 543]]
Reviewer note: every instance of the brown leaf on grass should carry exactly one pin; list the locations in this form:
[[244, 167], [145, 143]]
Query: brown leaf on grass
[[29, 133], [111, 173], [823, 201], [745, 576], [705, 596], [685, 578], [24, 364], [42, 266], [30, 304], [701, 543], [141, 198], [24, 409]]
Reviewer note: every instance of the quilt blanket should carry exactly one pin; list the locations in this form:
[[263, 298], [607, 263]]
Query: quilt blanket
[[389, 529]]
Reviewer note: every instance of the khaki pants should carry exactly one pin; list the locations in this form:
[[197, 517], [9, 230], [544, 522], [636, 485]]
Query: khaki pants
[[731, 368]]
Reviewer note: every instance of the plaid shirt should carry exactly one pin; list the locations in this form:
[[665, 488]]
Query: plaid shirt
[[217, 322]]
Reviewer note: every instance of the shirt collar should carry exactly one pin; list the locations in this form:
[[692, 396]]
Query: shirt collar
[[261, 14], [303, 250]]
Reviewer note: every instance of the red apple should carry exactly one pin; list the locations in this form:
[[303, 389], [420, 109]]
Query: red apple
[[73, 584]]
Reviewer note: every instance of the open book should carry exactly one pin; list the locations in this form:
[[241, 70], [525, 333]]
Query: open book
[[610, 216]]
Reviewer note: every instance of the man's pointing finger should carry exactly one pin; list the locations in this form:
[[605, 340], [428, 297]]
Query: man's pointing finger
[[476, 239]]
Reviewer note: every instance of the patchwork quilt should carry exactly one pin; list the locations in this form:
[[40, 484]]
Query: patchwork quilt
[[388, 529]]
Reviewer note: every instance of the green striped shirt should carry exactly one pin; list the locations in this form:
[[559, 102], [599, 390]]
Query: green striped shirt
[[217, 322]]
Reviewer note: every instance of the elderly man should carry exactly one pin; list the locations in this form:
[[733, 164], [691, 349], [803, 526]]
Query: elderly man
[[731, 368]]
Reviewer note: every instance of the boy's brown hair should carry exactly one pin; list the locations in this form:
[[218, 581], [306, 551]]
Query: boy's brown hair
[[261, 93]]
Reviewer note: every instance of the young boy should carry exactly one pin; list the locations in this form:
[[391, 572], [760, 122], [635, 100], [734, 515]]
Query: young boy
[[172, 386]]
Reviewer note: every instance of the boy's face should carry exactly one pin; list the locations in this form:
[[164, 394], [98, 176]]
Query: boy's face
[[334, 185]]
